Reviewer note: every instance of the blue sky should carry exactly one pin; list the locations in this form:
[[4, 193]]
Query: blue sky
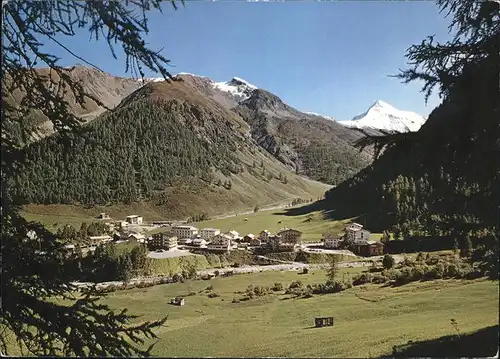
[[332, 58]]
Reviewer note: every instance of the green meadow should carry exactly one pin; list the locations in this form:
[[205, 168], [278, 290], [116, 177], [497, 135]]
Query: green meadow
[[312, 225], [369, 319]]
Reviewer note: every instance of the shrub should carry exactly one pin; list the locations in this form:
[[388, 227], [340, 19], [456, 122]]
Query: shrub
[[420, 257], [177, 278], [210, 287], [431, 259], [407, 262], [213, 295], [305, 271], [379, 279], [235, 300], [296, 284], [330, 287], [388, 261], [277, 287], [307, 294], [191, 294], [390, 274], [362, 279], [434, 272], [216, 273], [417, 273], [259, 290], [451, 270], [375, 269]]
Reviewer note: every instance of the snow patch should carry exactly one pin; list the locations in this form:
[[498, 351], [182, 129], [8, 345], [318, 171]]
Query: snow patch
[[383, 116], [237, 87], [190, 74], [319, 115]]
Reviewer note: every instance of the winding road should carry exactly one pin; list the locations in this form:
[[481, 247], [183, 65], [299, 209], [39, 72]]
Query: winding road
[[283, 266]]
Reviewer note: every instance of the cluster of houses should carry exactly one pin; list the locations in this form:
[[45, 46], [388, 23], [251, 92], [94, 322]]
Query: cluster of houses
[[357, 238], [286, 239]]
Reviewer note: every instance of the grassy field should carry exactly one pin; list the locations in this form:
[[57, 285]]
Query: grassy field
[[369, 320], [313, 225]]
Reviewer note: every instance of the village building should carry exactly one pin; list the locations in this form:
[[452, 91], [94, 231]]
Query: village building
[[285, 240], [234, 235], [133, 219], [242, 245], [208, 233], [177, 301], [356, 234], [184, 231], [103, 216], [255, 242], [221, 242], [369, 248], [121, 224], [162, 223], [111, 226], [97, 240], [290, 235], [332, 241], [264, 236], [248, 238], [198, 242], [162, 241], [141, 238]]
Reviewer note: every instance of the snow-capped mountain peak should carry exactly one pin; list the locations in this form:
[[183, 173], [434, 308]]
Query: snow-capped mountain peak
[[383, 116], [237, 87]]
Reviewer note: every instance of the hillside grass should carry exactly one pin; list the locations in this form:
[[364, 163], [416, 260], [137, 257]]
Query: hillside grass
[[369, 319], [312, 225], [246, 192], [171, 266]]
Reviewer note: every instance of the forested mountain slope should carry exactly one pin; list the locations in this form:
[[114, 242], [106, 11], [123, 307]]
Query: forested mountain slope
[[307, 144], [164, 143], [443, 179], [311, 145]]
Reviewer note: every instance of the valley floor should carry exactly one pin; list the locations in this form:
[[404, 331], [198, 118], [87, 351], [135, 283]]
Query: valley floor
[[369, 319]]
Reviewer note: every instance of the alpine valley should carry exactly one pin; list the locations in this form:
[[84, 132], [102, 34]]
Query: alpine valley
[[191, 146]]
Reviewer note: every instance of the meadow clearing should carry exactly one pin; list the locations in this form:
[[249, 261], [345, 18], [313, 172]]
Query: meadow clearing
[[369, 319], [312, 225]]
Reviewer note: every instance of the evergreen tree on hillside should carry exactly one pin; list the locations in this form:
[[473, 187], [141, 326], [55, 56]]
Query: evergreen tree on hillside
[[443, 179], [30, 281]]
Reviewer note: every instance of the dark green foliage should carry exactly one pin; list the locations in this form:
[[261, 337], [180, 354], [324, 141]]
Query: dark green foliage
[[332, 271], [362, 279], [277, 287], [133, 153], [329, 164], [68, 234], [388, 261], [329, 287], [199, 218], [296, 284], [443, 180]]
